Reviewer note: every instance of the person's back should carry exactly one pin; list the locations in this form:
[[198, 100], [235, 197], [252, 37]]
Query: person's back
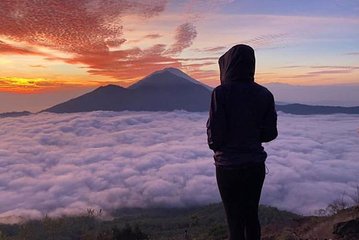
[[242, 116]]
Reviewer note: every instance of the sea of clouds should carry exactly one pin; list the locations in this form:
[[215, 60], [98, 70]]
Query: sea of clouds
[[65, 163]]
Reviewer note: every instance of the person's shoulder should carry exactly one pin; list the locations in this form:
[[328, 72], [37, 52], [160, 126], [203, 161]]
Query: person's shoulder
[[263, 89], [264, 93], [220, 88], [217, 88]]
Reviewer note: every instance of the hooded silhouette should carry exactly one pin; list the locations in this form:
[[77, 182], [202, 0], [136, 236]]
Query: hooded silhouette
[[242, 113], [242, 116], [238, 64]]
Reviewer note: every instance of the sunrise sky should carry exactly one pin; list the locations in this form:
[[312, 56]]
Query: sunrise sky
[[58, 48]]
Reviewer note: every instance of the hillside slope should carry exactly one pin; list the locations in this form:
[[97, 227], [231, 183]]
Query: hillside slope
[[344, 226]]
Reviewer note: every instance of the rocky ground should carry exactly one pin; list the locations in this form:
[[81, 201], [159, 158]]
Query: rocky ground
[[343, 225]]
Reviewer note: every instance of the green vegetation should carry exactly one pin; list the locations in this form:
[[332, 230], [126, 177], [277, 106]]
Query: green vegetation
[[201, 223]]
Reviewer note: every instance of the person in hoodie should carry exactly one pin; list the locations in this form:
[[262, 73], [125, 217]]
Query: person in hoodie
[[242, 116]]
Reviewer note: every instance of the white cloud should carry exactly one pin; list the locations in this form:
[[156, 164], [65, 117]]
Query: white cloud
[[62, 164]]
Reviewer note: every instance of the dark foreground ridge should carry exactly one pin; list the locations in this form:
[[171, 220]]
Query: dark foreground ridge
[[201, 223], [167, 90]]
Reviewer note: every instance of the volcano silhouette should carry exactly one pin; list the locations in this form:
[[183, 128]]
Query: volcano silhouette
[[165, 90]]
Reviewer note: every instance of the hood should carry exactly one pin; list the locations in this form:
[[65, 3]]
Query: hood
[[237, 64]]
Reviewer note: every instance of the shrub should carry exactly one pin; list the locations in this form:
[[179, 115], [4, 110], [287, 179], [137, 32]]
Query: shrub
[[129, 233]]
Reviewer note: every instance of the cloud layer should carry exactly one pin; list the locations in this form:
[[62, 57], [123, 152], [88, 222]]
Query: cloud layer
[[63, 164]]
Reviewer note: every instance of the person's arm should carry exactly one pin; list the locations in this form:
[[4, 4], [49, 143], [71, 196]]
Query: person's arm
[[216, 124], [269, 127]]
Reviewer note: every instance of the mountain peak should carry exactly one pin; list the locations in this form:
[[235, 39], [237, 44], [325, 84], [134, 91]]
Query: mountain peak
[[171, 69], [166, 77], [110, 88]]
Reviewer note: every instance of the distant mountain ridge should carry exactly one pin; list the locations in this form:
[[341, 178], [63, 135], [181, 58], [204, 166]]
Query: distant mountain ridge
[[323, 95], [167, 90], [303, 109], [14, 114]]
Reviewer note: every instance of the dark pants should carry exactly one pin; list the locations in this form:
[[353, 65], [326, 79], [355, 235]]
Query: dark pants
[[240, 190]]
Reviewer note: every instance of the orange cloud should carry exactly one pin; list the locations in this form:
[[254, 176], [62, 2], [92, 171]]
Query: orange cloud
[[91, 32], [81, 26], [209, 77], [9, 49], [215, 49], [153, 36], [185, 34], [126, 65], [37, 66]]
